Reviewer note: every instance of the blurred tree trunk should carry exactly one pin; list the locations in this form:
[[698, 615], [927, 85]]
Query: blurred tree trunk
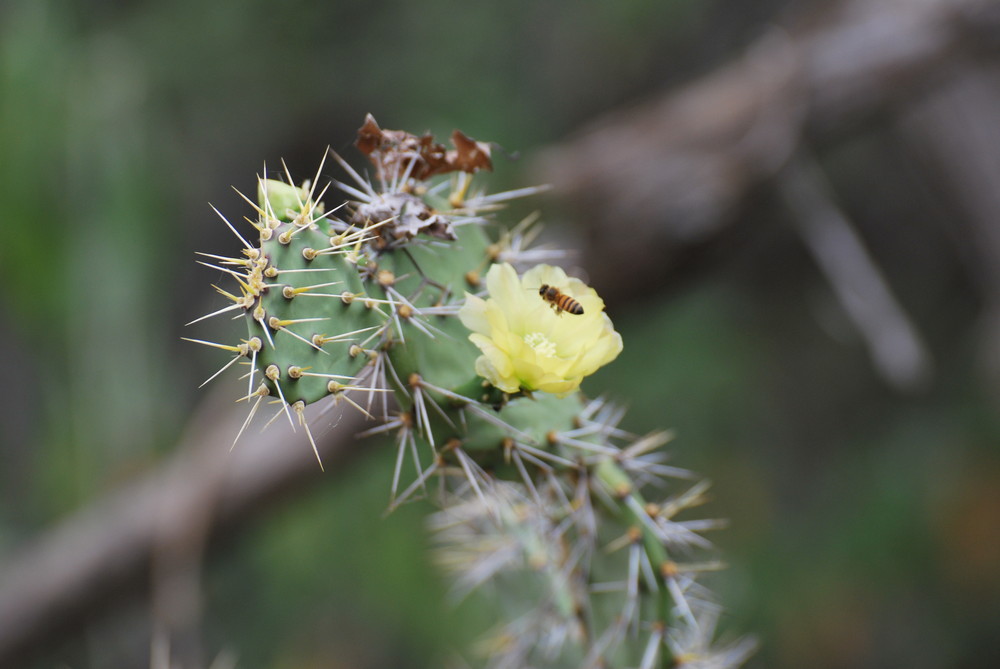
[[150, 537], [659, 185], [655, 182]]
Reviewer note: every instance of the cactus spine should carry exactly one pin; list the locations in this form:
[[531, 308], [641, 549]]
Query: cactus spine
[[539, 490]]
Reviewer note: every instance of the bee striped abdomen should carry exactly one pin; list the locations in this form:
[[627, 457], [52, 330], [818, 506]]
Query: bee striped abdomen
[[559, 301]]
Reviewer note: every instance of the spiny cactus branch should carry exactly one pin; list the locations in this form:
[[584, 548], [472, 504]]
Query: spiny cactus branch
[[414, 292]]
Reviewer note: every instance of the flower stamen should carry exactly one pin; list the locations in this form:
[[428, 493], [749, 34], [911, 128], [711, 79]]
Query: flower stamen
[[542, 345]]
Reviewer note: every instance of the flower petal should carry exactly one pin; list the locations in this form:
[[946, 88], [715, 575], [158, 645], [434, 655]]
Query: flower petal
[[526, 344]]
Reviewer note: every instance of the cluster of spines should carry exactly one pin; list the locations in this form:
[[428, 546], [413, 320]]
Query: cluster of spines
[[562, 460], [552, 531], [302, 254]]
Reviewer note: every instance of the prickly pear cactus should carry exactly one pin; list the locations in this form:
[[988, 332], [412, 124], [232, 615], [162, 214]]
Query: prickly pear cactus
[[411, 304]]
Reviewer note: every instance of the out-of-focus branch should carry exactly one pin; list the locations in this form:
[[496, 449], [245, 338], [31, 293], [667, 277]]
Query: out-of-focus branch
[[896, 348], [957, 134], [658, 181], [109, 548]]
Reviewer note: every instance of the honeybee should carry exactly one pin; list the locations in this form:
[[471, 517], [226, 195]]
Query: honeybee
[[559, 301]]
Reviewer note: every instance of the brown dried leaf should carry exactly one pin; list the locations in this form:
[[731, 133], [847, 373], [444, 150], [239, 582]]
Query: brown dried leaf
[[469, 155], [395, 151], [369, 136]]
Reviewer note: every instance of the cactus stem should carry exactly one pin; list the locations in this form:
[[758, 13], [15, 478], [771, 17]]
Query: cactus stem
[[230, 226], [445, 290]]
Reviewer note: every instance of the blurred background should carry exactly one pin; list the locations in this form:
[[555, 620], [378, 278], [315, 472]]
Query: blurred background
[[792, 210]]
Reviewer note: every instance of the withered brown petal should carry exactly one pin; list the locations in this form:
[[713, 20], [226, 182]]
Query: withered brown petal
[[469, 155], [395, 151], [369, 136]]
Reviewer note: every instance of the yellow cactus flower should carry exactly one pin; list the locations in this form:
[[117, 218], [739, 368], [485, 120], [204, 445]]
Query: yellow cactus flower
[[527, 342]]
